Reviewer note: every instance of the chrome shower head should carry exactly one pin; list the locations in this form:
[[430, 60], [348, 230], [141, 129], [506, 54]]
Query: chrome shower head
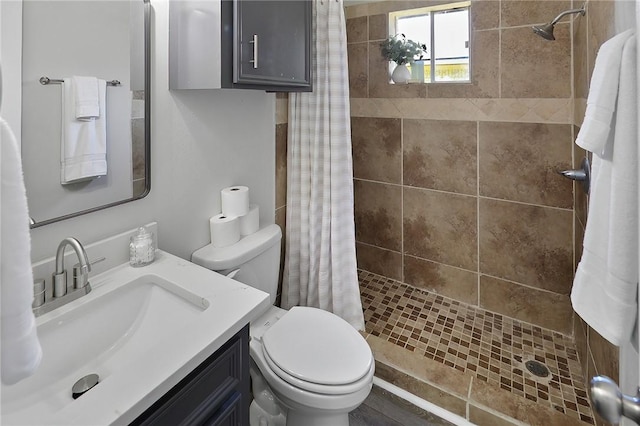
[[546, 30]]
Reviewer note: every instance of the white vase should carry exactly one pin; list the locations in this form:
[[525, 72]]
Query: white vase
[[401, 74]]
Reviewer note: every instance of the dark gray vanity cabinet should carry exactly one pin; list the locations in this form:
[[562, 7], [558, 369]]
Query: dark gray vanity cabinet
[[216, 393], [243, 44]]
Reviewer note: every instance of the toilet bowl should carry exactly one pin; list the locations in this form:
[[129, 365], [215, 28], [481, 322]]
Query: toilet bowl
[[308, 366]]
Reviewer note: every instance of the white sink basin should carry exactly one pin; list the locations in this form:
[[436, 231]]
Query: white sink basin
[[141, 330]]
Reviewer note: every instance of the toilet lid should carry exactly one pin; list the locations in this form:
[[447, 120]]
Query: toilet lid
[[318, 347]]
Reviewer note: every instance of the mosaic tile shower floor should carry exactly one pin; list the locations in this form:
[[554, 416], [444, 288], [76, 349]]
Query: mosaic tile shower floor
[[493, 347]]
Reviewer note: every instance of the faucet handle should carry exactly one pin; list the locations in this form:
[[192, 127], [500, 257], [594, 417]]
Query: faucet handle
[[39, 296], [81, 273]]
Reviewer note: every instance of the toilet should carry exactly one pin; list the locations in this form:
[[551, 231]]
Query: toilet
[[308, 366]]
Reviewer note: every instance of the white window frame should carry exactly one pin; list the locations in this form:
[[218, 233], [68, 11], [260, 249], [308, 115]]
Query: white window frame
[[431, 10]]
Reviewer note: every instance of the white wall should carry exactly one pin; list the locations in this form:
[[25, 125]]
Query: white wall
[[202, 141]]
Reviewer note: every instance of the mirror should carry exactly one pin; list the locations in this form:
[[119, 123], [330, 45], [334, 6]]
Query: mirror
[[105, 39]]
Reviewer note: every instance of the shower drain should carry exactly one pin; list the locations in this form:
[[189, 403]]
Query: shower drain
[[537, 368]]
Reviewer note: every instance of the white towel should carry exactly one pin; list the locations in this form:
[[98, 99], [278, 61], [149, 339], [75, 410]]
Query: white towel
[[20, 349], [605, 286], [83, 151], [603, 92], [86, 97]]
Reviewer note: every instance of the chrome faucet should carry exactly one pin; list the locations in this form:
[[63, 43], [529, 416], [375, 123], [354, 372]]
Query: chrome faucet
[[64, 292], [60, 275]]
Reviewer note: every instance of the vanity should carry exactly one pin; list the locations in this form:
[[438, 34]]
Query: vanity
[[214, 393], [166, 339], [169, 342]]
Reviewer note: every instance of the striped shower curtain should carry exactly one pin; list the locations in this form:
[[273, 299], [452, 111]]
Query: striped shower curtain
[[320, 263]]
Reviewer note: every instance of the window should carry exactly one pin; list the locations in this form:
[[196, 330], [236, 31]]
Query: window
[[444, 30]]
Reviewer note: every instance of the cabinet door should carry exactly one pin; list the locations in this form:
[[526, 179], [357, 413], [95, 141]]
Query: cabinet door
[[216, 393], [273, 43]]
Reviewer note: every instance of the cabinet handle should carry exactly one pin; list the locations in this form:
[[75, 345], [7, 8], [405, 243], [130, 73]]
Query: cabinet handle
[[254, 61]]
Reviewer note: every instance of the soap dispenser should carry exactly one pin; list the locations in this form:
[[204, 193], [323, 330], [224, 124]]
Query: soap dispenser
[[141, 248]]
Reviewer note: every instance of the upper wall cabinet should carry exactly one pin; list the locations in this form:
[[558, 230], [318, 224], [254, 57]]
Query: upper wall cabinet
[[243, 44]]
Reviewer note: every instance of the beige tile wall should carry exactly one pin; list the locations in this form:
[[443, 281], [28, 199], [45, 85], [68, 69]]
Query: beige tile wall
[[138, 143], [281, 174], [456, 184]]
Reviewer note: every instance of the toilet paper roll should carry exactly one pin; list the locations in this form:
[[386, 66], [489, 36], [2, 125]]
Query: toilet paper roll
[[225, 230], [250, 222], [235, 201]]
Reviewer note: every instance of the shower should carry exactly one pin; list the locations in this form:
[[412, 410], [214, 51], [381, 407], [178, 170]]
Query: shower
[[546, 30]]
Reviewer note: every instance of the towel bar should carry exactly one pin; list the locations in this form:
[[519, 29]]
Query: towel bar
[[46, 80]]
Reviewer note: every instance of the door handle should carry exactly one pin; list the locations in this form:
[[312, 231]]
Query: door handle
[[611, 404]]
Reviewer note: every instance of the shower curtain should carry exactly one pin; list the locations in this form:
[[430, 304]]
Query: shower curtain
[[320, 263]]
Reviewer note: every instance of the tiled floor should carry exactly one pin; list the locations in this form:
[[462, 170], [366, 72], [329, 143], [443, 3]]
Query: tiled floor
[[490, 347]]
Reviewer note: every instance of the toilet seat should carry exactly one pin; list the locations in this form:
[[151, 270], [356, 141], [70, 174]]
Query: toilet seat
[[317, 351], [332, 390]]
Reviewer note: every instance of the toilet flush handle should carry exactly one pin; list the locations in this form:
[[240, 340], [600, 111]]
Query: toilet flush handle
[[233, 273]]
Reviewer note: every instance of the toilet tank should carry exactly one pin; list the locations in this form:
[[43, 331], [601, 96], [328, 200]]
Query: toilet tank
[[254, 260]]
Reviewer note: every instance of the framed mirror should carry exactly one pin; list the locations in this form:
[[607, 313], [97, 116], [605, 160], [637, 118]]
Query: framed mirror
[[109, 42]]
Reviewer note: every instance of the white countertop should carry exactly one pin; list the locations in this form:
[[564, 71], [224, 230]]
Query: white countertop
[[138, 382]]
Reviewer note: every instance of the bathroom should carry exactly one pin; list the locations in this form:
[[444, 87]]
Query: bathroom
[[202, 143]]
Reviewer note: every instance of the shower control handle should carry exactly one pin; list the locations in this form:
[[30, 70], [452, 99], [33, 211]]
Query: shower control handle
[[611, 404], [583, 174], [578, 175]]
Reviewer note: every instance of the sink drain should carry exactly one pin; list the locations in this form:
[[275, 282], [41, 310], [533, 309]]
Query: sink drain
[[83, 385], [537, 368]]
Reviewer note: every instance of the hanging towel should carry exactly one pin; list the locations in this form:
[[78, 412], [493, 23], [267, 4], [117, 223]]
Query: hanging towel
[[86, 97], [603, 92], [605, 286], [20, 349], [84, 143]]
